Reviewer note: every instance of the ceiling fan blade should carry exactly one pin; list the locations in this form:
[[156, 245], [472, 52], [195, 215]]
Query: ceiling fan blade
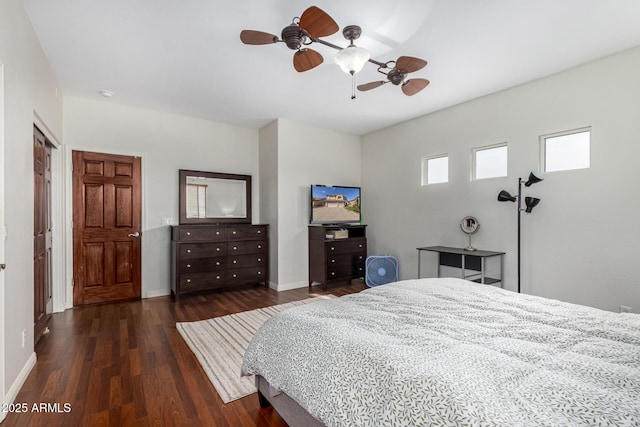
[[370, 85], [306, 59], [410, 64], [257, 37], [317, 23], [413, 86]]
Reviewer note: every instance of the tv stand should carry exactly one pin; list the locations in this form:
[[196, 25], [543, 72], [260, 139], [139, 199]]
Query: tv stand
[[335, 260]]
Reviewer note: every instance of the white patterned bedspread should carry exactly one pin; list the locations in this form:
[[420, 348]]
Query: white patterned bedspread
[[451, 352]]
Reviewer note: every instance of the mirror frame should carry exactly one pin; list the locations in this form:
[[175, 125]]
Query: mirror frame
[[182, 199], [475, 220]]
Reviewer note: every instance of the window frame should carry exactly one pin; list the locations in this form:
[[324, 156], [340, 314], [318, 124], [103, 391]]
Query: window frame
[[543, 148], [475, 150], [425, 169]]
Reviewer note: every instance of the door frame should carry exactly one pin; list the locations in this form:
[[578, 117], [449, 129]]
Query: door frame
[[2, 237], [57, 214], [67, 290]]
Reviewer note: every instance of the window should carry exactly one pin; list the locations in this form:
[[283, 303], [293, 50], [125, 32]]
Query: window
[[435, 169], [489, 162], [196, 205], [566, 150]]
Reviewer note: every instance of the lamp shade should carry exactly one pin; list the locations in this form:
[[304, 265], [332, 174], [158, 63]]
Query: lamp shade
[[530, 202], [352, 58], [504, 196], [534, 177]]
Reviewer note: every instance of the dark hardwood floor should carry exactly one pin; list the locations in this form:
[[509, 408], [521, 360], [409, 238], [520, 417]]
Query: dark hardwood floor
[[125, 364]]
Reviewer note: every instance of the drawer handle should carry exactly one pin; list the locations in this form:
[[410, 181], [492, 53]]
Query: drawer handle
[[188, 251], [218, 233], [188, 280], [259, 246], [217, 262], [360, 268], [234, 262], [188, 265], [218, 249], [233, 232], [235, 275], [235, 247], [259, 231], [333, 273], [259, 273], [332, 248], [259, 259], [359, 246], [188, 233], [360, 257], [333, 260], [218, 277]]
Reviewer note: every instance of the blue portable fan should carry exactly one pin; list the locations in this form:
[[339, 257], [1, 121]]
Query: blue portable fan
[[381, 270]]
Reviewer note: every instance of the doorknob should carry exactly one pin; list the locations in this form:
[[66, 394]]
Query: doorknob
[[136, 234], [3, 266]]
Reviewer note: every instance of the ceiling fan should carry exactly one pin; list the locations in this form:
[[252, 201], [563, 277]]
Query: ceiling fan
[[397, 75], [314, 24]]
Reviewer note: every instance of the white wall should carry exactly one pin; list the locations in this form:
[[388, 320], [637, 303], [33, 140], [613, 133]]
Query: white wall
[[307, 155], [581, 243], [166, 142], [269, 193], [30, 91]]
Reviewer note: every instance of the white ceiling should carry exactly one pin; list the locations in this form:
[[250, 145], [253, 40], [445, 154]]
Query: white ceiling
[[185, 56]]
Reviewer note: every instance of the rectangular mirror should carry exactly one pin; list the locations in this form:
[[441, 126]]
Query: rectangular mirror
[[211, 197]]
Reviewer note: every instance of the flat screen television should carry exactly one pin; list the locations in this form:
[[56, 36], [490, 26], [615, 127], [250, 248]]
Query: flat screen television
[[335, 205]]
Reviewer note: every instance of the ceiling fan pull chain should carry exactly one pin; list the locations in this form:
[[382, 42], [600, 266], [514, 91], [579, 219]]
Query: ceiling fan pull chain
[[353, 86]]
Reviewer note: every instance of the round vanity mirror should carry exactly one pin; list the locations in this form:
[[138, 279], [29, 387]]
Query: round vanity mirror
[[469, 226]]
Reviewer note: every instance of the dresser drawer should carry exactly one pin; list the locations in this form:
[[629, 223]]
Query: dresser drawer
[[247, 232], [247, 247], [202, 250], [202, 281], [246, 275], [243, 261], [208, 233], [200, 265], [346, 246]]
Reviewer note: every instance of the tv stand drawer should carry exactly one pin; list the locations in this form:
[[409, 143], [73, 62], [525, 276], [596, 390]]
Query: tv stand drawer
[[346, 246]]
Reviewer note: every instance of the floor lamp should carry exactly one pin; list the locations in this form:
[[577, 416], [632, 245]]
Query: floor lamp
[[530, 203]]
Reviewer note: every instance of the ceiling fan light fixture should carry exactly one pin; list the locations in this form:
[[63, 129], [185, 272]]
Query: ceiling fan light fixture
[[352, 58]]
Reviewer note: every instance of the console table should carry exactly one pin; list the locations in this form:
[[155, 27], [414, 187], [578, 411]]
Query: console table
[[474, 261]]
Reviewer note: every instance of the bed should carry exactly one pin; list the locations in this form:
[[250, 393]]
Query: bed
[[448, 352]]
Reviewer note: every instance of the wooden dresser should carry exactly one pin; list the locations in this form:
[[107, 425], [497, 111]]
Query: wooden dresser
[[216, 257], [336, 260]]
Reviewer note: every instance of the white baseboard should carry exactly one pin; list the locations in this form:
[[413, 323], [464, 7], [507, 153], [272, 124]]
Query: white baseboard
[[288, 286], [12, 393], [158, 293], [59, 308]]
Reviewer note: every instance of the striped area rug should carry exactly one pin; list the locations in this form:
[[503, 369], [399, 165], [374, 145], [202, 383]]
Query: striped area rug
[[219, 345]]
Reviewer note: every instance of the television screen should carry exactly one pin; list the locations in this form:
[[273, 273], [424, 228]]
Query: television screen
[[335, 205]]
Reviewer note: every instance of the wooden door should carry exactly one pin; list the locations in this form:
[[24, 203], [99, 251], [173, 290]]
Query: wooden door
[[106, 227], [42, 283]]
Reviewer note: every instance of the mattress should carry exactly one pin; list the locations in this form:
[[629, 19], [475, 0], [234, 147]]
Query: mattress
[[452, 352]]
